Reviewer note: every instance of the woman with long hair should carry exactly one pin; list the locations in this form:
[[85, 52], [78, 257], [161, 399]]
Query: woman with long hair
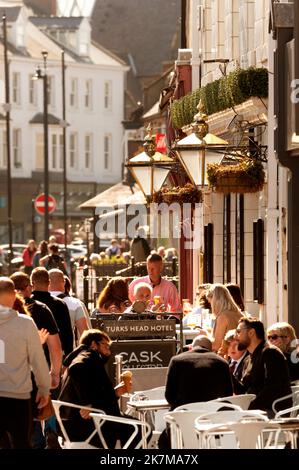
[[226, 311], [114, 297], [28, 255]]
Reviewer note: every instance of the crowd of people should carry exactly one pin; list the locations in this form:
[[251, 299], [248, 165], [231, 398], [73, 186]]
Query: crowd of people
[[52, 350]]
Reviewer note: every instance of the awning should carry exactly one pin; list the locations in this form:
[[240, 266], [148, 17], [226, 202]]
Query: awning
[[117, 195]]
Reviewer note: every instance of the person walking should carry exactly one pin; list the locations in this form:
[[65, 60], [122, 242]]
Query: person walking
[[21, 351]]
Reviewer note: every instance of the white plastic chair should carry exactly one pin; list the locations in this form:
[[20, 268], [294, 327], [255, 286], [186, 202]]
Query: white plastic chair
[[248, 434], [181, 422], [100, 418], [207, 406], [182, 432], [241, 400], [230, 416], [295, 400], [68, 444]]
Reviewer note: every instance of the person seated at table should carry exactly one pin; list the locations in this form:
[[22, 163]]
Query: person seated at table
[[166, 290], [141, 298], [114, 297], [226, 311], [283, 336], [265, 371], [87, 383], [234, 353], [194, 376]]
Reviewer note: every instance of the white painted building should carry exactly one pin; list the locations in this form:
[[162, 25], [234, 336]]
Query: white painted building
[[237, 31], [95, 82]]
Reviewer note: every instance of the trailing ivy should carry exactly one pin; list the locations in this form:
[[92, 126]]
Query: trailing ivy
[[221, 94]]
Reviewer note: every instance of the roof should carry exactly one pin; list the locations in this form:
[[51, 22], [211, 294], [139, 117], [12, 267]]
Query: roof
[[153, 112], [120, 26], [39, 119], [12, 13], [57, 22], [115, 196]]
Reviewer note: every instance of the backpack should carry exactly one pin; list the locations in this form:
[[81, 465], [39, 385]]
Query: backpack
[[55, 262]]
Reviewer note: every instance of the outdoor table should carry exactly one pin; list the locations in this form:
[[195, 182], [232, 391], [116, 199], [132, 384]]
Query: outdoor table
[[142, 407], [188, 334]]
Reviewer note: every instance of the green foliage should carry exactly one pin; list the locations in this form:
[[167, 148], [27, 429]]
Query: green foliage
[[221, 94], [246, 176]]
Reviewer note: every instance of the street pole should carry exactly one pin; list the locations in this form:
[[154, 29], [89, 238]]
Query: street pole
[[7, 120], [64, 124], [46, 146]]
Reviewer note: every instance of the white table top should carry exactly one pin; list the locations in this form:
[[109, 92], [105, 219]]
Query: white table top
[[144, 405]]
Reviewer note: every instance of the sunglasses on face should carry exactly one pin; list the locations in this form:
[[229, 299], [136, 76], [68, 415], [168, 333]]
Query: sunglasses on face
[[274, 337]]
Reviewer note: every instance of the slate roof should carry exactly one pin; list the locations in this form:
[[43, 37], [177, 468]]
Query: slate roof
[[12, 13], [57, 22], [145, 28]]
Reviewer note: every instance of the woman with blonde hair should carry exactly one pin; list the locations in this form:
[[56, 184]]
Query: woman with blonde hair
[[226, 311], [283, 336]]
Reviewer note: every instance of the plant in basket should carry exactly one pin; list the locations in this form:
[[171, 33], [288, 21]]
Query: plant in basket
[[180, 194], [245, 176]]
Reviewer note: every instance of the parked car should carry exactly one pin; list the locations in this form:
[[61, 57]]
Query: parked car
[[74, 251]]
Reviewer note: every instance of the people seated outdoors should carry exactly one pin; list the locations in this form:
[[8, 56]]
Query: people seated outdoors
[[226, 311], [161, 251], [141, 299], [170, 253], [283, 336], [202, 306], [162, 288], [194, 376], [114, 297], [265, 370], [235, 353], [113, 249], [87, 383]]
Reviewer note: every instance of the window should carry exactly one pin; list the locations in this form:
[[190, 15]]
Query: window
[[107, 151], [32, 91], [39, 151], [88, 151], [88, 94], [73, 150], [16, 148], [108, 96], [57, 152], [74, 93], [3, 156], [51, 91], [16, 88]]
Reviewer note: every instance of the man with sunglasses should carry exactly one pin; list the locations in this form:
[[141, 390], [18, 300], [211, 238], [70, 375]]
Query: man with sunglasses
[[266, 372]]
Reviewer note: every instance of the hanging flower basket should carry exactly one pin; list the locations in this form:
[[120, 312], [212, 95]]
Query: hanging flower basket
[[180, 194], [247, 176]]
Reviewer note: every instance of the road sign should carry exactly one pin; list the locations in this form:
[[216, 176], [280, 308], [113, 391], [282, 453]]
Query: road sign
[[39, 204]]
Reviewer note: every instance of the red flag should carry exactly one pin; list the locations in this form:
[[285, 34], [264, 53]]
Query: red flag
[[161, 143]]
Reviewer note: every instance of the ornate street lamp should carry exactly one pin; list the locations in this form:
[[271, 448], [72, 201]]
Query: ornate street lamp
[[199, 149], [149, 168]]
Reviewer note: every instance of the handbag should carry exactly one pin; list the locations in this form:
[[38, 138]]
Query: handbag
[[46, 412]]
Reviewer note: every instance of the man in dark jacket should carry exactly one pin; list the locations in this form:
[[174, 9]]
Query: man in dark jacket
[[266, 372], [86, 383], [197, 375], [40, 283]]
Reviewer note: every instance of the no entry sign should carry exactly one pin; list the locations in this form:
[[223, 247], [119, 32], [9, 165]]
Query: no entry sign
[[39, 204]]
